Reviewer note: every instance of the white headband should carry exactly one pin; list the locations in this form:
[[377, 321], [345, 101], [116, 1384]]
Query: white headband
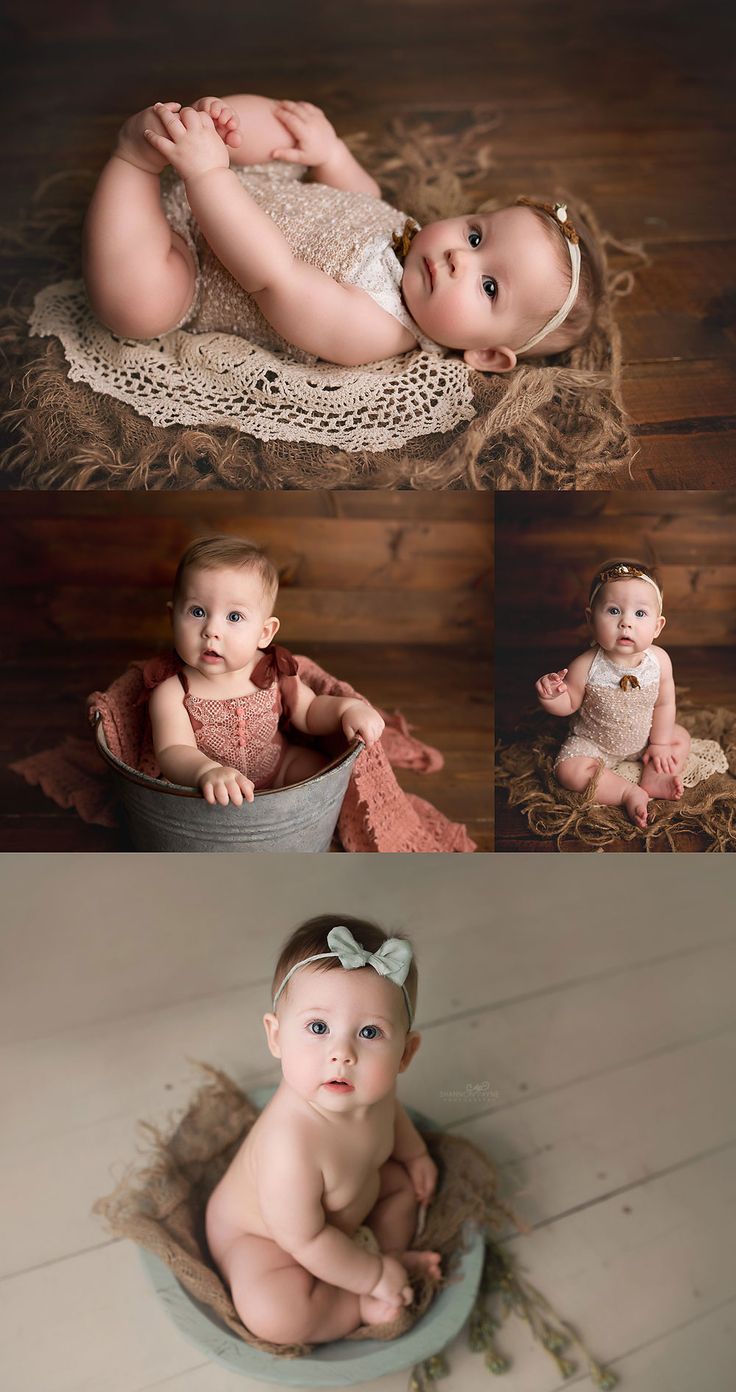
[[559, 212], [392, 960], [621, 571]]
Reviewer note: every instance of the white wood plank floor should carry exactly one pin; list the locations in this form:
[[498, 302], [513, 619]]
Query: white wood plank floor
[[578, 1026]]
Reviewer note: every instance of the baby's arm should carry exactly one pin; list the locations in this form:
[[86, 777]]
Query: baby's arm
[[324, 715], [318, 145], [659, 749], [410, 1150], [290, 1188], [179, 758], [337, 322], [562, 692]]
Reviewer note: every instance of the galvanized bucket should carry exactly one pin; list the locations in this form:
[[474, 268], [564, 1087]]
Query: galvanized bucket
[[166, 817]]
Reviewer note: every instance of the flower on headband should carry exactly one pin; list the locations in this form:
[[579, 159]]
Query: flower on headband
[[558, 211]]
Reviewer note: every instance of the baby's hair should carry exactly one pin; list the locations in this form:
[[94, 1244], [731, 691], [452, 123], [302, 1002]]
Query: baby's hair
[[579, 321], [225, 553], [311, 938], [611, 564]]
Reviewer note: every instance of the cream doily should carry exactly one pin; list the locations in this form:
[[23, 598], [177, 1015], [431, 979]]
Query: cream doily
[[705, 758], [220, 379]]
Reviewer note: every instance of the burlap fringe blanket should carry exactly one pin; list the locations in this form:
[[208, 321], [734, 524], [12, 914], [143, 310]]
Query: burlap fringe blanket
[[708, 811], [552, 425], [376, 814], [161, 1205]]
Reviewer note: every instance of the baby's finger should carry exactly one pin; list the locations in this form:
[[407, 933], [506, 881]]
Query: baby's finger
[[290, 155], [407, 1295], [221, 794], [160, 142], [246, 787], [208, 793], [233, 791], [171, 120]]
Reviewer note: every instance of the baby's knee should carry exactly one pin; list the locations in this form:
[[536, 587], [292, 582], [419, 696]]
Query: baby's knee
[[575, 774], [277, 1311]]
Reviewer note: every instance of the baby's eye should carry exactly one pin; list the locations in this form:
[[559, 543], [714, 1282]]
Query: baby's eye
[[641, 613], [475, 237], [234, 617], [317, 1027], [196, 611], [370, 1032], [613, 610], [490, 287]]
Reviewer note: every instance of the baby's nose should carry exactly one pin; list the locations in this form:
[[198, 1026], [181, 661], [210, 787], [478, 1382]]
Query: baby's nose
[[344, 1050]]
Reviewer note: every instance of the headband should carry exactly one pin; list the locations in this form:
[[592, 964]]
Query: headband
[[622, 571], [558, 211], [392, 960]]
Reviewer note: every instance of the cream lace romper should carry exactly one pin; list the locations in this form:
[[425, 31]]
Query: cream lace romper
[[615, 718]]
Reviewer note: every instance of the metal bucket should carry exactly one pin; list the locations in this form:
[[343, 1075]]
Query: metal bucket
[[167, 817]]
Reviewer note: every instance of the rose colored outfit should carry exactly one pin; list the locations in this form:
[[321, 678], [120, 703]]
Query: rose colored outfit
[[615, 719], [246, 732]]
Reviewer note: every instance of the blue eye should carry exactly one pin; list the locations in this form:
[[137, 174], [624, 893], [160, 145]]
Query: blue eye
[[370, 1032], [641, 613], [614, 610], [490, 287], [475, 237], [234, 617], [196, 611], [317, 1027]]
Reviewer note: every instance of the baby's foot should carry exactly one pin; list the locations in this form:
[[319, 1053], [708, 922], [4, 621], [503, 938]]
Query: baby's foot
[[426, 1263], [635, 803], [373, 1311], [132, 144], [662, 785], [226, 121]]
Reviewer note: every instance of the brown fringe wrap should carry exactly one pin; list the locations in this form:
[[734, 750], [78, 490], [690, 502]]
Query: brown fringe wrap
[[161, 1207], [547, 425], [525, 768]]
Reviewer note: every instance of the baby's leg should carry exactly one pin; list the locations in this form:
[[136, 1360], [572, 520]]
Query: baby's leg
[[393, 1221], [298, 764], [669, 785], [139, 273], [259, 130], [611, 789], [280, 1301]]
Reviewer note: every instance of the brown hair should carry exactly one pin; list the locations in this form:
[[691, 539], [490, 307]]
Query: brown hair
[[226, 552], [311, 938], [622, 561], [579, 321]]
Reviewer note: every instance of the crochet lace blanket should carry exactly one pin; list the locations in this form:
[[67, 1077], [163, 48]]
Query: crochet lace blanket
[[376, 814]]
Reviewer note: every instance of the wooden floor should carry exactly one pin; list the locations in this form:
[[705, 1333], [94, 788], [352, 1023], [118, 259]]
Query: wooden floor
[[603, 1041], [621, 103], [444, 693], [705, 676]]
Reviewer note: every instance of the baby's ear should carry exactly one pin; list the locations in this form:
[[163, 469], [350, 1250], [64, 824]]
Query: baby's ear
[[271, 1026], [490, 359], [269, 631], [170, 607], [661, 621], [413, 1040]]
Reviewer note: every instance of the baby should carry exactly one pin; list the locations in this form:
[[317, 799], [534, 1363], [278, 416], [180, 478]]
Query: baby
[[624, 694], [312, 1223], [317, 265], [217, 723]]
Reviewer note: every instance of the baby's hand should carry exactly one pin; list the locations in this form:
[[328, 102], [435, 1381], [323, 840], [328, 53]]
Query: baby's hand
[[191, 143], [552, 685], [423, 1175], [661, 757], [393, 1284], [361, 719], [224, 785], [316, 140], [227, 121]]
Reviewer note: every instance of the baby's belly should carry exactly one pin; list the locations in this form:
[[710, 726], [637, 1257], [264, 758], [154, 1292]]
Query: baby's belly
[[348, 1212]]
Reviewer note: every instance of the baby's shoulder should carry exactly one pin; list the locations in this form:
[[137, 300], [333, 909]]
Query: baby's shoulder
[[581, 665], [167, 692], [662, 659]]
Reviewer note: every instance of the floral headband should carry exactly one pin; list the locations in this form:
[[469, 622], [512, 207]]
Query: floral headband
[[558, 211], [392, 960], [623, 571]]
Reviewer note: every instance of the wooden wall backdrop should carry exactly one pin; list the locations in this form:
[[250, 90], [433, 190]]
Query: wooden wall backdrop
[[549, 545], [397, 568], [622, 103]]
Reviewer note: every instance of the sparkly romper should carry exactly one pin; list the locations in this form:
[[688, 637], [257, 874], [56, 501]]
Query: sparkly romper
[[245, 732], [615, 719], [347, 235]]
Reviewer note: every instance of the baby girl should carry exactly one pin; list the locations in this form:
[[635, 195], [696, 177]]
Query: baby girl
[[316, 268], [312, 1225], [217, 722], [624, 695]]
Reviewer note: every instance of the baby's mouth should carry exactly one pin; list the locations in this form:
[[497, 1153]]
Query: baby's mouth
[[340, 1085], [209, 655], [430, 274]]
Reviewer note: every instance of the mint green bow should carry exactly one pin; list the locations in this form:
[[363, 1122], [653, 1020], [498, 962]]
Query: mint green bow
[[392, 960]]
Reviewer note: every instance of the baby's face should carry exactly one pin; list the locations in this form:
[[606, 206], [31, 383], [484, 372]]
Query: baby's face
[[220, 620], [341, 1037], [484, 283], [625, 617]]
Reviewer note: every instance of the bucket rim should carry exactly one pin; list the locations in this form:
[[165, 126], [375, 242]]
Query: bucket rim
[[158, 785]]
